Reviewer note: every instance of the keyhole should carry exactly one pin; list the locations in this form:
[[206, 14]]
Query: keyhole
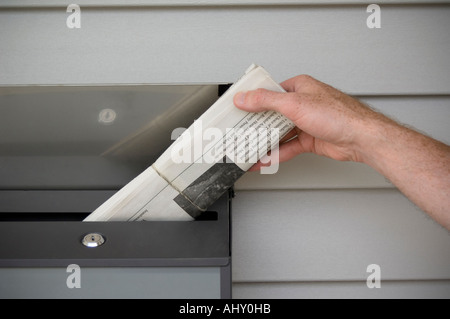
[[93, 240]]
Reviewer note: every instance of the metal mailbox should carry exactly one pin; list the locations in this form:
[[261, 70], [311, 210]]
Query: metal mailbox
[[63, 151]]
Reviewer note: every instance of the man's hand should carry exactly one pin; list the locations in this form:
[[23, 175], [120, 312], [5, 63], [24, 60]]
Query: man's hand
[[328, 121], [333, 124]]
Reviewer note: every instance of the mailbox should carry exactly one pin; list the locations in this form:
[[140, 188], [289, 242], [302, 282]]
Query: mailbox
[[64, 151]]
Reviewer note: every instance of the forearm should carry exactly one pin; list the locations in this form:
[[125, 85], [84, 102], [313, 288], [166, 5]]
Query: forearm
[[333, 124], [418, 165]]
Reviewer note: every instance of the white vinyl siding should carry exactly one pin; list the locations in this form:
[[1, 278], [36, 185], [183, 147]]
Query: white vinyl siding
[[312, 229]]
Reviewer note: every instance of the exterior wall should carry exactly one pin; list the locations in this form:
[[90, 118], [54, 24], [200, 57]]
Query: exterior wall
[[312, 229]]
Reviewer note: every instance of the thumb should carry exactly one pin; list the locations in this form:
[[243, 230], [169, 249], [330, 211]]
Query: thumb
[[260, 100]]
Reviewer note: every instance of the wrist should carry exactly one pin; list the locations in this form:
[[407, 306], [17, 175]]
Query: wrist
[[375, 138]]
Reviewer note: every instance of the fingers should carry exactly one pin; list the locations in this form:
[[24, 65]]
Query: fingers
[[293, 104], [292, 133], [260, 100], [286, 152], [301, 84], [290, 85], [288, 104]]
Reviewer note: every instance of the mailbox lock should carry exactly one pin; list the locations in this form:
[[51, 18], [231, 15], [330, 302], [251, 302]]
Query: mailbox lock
[[93, 240]]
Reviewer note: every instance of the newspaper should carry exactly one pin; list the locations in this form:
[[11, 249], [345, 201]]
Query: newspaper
[[203, 162]]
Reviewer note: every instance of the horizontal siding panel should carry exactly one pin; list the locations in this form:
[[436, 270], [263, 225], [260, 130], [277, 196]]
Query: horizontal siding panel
[[339, 290], [157, 45], [427, 114], [334, 235], [309, 171], [122, 3]]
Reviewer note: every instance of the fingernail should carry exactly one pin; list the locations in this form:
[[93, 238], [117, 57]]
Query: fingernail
[[240, 98]]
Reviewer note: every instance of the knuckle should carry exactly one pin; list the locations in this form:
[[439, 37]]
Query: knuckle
[[307, 83], [305, 78]]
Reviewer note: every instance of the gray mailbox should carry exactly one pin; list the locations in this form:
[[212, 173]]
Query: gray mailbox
[[64, 151]]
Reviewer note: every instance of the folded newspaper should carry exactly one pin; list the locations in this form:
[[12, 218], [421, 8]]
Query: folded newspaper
[[203, 162]]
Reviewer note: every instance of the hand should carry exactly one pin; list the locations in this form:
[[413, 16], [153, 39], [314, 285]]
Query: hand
[[328, 122], [331, 123]]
